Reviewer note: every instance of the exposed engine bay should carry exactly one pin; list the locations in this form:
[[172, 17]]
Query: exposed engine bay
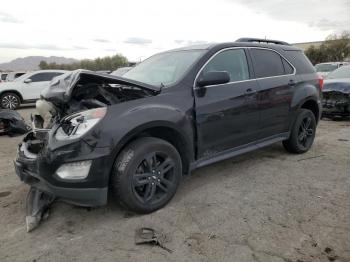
[[82, 90]]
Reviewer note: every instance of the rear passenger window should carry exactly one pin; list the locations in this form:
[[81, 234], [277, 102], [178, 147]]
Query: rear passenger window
[[233, 61], [267, 63], [300, 61]]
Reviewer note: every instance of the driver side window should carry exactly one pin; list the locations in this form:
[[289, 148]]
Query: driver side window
[[233, 61]]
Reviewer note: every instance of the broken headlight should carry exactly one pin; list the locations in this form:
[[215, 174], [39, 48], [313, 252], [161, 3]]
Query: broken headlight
[[77, 125]]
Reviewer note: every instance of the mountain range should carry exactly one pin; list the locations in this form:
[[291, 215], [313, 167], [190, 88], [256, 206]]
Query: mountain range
[[32, 62]]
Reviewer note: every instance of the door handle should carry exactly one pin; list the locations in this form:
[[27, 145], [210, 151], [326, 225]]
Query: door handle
[[292, 83], [250, 91]]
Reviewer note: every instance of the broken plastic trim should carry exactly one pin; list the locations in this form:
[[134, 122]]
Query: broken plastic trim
[[37, 206]]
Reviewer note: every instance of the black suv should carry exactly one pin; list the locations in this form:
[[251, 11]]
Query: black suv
[[174, 112]]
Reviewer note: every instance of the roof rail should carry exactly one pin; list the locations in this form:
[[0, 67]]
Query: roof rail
[[259, 40]]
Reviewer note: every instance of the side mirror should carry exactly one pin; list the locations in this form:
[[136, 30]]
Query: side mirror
[[27, 81], [213, 78]]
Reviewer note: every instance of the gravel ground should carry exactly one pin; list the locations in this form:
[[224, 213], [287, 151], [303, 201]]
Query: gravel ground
[[267, 205]]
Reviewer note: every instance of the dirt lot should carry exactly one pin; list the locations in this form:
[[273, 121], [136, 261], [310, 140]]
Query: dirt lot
[[263, 206]]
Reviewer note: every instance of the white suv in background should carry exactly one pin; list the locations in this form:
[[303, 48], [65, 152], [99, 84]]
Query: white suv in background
[[13, 75], [26, 88]]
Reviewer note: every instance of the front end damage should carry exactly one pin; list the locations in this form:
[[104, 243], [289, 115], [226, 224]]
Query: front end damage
[[336, 104], [67, 156], [336, 99]]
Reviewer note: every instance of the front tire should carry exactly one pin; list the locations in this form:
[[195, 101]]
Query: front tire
[[303, 132], [146, 174], [10, 101]]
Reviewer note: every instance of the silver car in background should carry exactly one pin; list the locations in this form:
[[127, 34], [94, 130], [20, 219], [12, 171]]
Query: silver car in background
[[324, 69]]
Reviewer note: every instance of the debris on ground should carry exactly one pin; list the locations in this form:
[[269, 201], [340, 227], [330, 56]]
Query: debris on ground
[[307, 158], [37, 206], [149, 236], [11, 123]]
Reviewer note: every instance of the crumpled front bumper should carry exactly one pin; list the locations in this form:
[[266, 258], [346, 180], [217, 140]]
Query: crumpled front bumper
[[336, 104], [38, 171]]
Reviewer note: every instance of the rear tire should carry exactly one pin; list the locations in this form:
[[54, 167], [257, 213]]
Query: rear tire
[[146, 174], [10, 101], [302, 133]]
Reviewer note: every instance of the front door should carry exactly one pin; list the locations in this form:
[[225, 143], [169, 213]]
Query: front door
[[227, 115]]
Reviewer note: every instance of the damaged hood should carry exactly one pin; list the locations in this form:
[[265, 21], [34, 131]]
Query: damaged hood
[[337, 85], [61, 87]]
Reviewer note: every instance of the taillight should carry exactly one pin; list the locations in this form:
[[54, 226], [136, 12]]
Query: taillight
[[320, 82]]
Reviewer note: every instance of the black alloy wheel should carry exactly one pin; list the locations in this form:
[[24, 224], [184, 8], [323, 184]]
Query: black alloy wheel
[[154, 178], [146, 174], [302, 133], [306, 132]]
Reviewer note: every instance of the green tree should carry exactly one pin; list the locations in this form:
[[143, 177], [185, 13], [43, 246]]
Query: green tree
[[104, 63], [43, 65], [335, 48]]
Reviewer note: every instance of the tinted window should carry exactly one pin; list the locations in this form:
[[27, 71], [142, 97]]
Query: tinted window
[[3, 76], [40, 77], [232, 61], [288, 69], [300, 62], [267, 63], [18, 74]]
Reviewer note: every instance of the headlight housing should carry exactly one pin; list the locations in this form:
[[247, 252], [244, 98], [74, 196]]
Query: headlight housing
[[75, 126]]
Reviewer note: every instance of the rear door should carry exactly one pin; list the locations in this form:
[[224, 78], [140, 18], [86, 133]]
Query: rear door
[[39, 81], [227, 115], [276, 78]]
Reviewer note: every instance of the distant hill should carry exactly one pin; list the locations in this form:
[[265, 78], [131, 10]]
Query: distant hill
[[32, 62]]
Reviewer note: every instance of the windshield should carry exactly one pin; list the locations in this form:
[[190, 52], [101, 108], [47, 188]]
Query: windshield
[[325, 67], [342, 72], [164, 69], [120, 71]]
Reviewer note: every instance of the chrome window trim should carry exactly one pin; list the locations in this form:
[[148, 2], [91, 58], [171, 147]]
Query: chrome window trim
[[247, 80]]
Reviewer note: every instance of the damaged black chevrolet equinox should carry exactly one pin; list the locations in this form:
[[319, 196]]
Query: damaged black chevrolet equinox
[[176, 111]]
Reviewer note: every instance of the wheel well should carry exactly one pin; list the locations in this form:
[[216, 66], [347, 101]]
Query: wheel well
[[173, 137], [313, 107], [13, 91]]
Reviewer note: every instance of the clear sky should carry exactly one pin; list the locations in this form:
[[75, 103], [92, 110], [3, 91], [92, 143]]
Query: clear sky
[[138, 29]]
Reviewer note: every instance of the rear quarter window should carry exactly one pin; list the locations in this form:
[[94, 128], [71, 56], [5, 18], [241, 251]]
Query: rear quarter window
[[300, 61]]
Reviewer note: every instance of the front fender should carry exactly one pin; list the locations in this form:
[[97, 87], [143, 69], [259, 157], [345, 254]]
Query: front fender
[[126, 120]]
